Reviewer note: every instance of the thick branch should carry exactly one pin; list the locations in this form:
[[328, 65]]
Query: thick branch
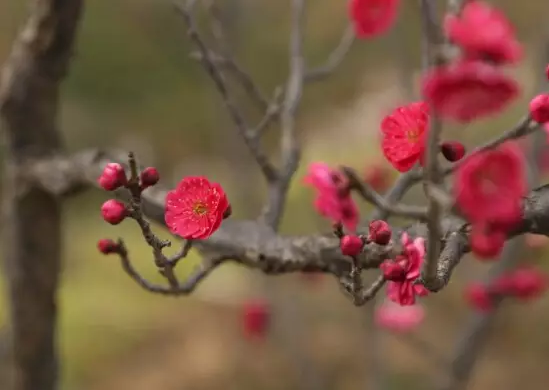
[[258, 246], [29, 99]]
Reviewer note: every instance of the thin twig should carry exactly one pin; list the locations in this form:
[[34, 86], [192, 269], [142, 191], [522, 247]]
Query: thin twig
[[370, 195], [289, 143], [253, 143], [335, 58]]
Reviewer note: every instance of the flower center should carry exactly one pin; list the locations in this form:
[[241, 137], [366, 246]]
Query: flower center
[[413, 135], [199, 208]]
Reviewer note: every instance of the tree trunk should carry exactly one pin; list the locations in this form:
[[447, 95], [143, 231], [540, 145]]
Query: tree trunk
[[29, 100]]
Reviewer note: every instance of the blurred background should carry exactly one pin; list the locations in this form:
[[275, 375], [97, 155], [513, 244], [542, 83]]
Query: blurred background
[[134, 85]]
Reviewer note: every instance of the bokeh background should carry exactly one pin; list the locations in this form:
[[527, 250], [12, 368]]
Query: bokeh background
[[133, 85]]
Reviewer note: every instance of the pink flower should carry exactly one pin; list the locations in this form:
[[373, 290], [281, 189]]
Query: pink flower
[[397, 318], [484, 32], [489, 186], [403, 133], [539, 108], [372, 17], [195, 208], [468, 90], [404, 291], [333, 199]]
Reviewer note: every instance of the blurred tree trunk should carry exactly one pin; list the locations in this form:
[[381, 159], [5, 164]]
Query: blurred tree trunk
[[29, 100]]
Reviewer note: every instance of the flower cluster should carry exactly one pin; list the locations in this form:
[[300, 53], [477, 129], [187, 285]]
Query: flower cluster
[[194, 209], [403, 271], [489, 187], [474, 85], [524, 284], [333, 199]]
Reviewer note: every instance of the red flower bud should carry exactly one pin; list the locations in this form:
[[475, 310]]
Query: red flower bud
[[539, 108], [149, 177], [113, 176], [392, 270], [113, 211], [256, 318], [487, 245], [380, 232], [479, 297], [351, 245], [107, 246], [452, 150]]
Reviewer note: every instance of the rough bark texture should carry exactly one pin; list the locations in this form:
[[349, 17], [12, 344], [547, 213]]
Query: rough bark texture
[[29, 100]]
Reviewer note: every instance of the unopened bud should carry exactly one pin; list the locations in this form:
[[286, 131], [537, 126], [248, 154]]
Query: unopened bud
[[113, 177], [539, 108], [452, 150], [380, 232], [351, 245], [113, 211], [107, 246], [149, 177]]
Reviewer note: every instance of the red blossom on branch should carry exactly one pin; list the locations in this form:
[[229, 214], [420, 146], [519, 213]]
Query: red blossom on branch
[[373, 17], [403, 135], [333, 199], [468, 90], [489, 185], [403, 290], [483, 32], [113, 177], [195, 208], [539, 108]]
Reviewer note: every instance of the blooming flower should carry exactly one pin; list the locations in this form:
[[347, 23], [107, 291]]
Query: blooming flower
[[195, 208], [333, 199], [403, 133], [403, 290], [489, 186], [397, 318], [483, 32], [468, 90], [372, 17]]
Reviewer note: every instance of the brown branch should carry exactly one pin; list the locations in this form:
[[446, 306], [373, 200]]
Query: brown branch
[[29, 100], [290, 149], [247, 134], [371, 196], [431, 173], [335, 58]]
